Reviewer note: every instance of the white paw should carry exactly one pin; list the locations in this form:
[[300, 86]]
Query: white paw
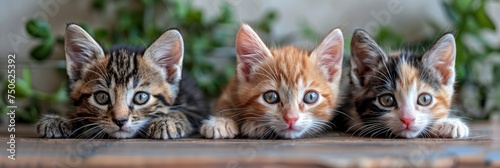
[[219, 128], [450, 128]]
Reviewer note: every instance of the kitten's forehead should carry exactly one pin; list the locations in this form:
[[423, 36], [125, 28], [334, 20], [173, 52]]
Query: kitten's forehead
[[403, 69], [122, 64], [292, 65]]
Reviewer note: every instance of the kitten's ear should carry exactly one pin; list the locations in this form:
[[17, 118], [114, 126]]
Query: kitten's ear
[[441, 57], [167, 52], [250, 51], [365, 55], [80, 50], [330, 53]]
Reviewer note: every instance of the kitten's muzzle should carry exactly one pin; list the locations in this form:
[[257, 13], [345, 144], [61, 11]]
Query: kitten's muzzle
[[120, 121]]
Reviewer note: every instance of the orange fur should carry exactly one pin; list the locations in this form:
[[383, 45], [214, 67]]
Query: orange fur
[[289, 65], [291, 74]]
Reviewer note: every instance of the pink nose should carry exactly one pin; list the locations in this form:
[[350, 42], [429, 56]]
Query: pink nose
[[291, 121], [407, 121]]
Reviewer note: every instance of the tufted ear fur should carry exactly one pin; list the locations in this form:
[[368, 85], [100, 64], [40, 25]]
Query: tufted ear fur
[[365, 56], [329, 54], [167, 52], [441, 57], [80, 50], [250, 50]]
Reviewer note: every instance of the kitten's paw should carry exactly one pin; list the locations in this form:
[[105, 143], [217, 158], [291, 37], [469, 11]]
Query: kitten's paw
[[219, 128], [172, 125], [450, 128], [53, 126]]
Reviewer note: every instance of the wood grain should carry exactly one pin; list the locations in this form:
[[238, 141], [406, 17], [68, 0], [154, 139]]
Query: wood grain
[[482, 149]]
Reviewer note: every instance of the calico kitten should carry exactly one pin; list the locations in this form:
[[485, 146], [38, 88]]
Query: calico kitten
[[278, 93], [126, 93], [403, 94]]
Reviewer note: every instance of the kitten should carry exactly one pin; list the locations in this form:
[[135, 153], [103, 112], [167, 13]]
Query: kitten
[[126, 93], [278, 93], [403, 94]]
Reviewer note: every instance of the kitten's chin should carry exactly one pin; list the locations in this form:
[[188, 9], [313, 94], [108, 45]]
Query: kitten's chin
[[413, 132], [120, 134], [409, 133], [291, 134]]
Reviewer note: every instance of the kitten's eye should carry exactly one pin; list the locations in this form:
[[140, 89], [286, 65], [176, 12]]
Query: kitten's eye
[[311, 97], [141, 97], [271, 97], [424, 99], [101, 97], [387, 100]]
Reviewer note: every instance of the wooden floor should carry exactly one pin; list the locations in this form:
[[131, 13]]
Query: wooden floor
[[482, 149]]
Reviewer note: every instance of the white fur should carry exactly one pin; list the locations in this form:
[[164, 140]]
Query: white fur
[[450, 128], [219, 128]]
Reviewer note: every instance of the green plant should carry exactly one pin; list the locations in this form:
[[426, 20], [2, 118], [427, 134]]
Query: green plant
[[478, 63], [139, 23], [30, 100]]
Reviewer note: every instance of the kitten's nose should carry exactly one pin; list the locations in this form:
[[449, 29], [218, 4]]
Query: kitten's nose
[[120, 121], [290, 121], [407, 121]]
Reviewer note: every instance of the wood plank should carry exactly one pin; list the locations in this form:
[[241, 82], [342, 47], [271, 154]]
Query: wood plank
[[331, 150]]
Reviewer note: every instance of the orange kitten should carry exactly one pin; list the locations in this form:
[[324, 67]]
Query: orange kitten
[[278, 93]]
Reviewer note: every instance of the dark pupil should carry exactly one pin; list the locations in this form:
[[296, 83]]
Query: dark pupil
[[142, 96], [388, 100], [102, 97], [270, 96], [425, 98]]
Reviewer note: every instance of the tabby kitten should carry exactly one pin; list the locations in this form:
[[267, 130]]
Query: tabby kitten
[[126, 93], [278, 93], [403, 94]]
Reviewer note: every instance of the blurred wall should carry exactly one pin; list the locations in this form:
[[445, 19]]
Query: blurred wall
[[408, 17]]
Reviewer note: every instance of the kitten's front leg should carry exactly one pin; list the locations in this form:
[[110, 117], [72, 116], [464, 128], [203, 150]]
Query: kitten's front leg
[[172, 125], [450, 128], [219, 128], [53, 126]]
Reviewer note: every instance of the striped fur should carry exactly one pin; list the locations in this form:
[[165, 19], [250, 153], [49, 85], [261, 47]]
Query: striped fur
[[290, 73], [173, 109], [406, 76]]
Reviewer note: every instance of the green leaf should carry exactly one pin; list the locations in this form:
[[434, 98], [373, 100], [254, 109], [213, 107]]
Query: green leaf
[[308, 32], [462, 5], [38, 28], [61, 95], [148, 2], [226, 15], [461, 72], [483, 19], [99, 4], [23, 88], [101, 34], [180, 11], [43, 50], [27, 75]]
